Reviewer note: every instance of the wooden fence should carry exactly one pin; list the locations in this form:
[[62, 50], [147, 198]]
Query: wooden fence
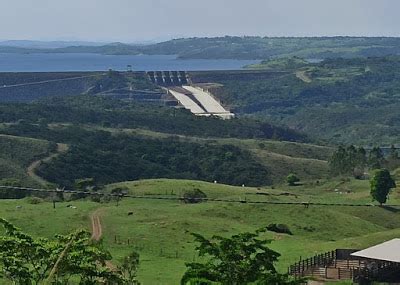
[[337, 264]]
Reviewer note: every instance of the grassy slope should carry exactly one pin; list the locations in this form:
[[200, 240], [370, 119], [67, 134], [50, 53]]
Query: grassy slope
[[160, 230], [16, 153]]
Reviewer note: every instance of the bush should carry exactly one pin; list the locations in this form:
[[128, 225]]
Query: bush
[[292, 179], [34, 200], [194, 196], [279, 228]]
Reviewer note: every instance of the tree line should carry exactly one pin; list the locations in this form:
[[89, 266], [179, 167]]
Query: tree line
[[355, 161]]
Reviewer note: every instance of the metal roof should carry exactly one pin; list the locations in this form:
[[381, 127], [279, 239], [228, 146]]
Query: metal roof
[[387, 251]]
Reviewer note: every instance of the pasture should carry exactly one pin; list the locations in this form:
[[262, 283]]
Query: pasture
[[160, 229]]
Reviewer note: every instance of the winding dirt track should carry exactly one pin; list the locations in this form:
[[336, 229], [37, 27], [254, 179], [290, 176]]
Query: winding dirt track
[[31, 170], [97, 233], [97, 230]]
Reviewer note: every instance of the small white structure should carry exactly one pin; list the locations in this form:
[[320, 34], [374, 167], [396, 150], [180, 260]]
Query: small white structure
[[387, 251]]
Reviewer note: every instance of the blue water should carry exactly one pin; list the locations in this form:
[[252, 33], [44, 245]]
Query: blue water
[[96, 62]]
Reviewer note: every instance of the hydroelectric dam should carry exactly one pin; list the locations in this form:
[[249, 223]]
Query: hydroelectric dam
[[198, 100]]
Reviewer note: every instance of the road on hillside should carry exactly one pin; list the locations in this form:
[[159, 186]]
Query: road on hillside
[[31, 170]]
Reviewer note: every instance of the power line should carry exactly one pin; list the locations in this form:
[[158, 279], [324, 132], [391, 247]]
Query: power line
[[49, 81], [218, 200]]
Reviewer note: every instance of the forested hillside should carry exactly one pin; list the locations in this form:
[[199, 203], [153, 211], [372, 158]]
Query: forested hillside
[[337, 100], [104, 145], [115, 113]]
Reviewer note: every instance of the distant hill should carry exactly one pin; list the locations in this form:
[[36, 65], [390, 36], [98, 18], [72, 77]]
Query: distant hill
[[47, 44], [239, 47], [337, 100]]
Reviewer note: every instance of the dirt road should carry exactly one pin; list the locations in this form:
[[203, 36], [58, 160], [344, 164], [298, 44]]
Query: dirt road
[[97, 233], [31, 170], [97, 230]]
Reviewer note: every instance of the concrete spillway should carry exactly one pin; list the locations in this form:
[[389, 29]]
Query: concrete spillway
[[187, 102], [199, 102], [211, 105]]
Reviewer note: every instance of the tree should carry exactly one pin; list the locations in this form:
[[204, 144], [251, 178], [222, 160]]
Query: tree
[[119, 192], [381, 183], [26, 260], [129, 268], [339, 162], [376, 158], [194, 196], [240, 259], [393, 161], [292, 179], [393, 152], [350, 160], [85, 184]]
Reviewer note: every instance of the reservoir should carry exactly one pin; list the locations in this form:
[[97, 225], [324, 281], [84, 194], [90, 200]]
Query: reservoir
[[53, 62]]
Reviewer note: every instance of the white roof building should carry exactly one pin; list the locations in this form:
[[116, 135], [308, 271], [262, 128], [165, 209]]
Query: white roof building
[[387, 251]]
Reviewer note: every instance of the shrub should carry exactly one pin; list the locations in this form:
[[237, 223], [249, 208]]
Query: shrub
[[194, 196], [279, 228], [34, 200], [292, 179]]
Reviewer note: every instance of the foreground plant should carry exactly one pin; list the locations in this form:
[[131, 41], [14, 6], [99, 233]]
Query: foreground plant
[[240, 259], [26, 260]]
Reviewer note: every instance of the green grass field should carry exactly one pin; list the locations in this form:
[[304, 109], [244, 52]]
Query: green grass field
[[160, 229]]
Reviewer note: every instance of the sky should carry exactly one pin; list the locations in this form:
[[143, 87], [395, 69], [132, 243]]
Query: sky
[[155, 20]]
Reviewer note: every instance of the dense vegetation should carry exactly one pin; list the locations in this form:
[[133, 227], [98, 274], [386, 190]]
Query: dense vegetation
[[356, 161], [241, 259], [72, 258], [345, 100], [245, 47], [111, 158], [109, 112]]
